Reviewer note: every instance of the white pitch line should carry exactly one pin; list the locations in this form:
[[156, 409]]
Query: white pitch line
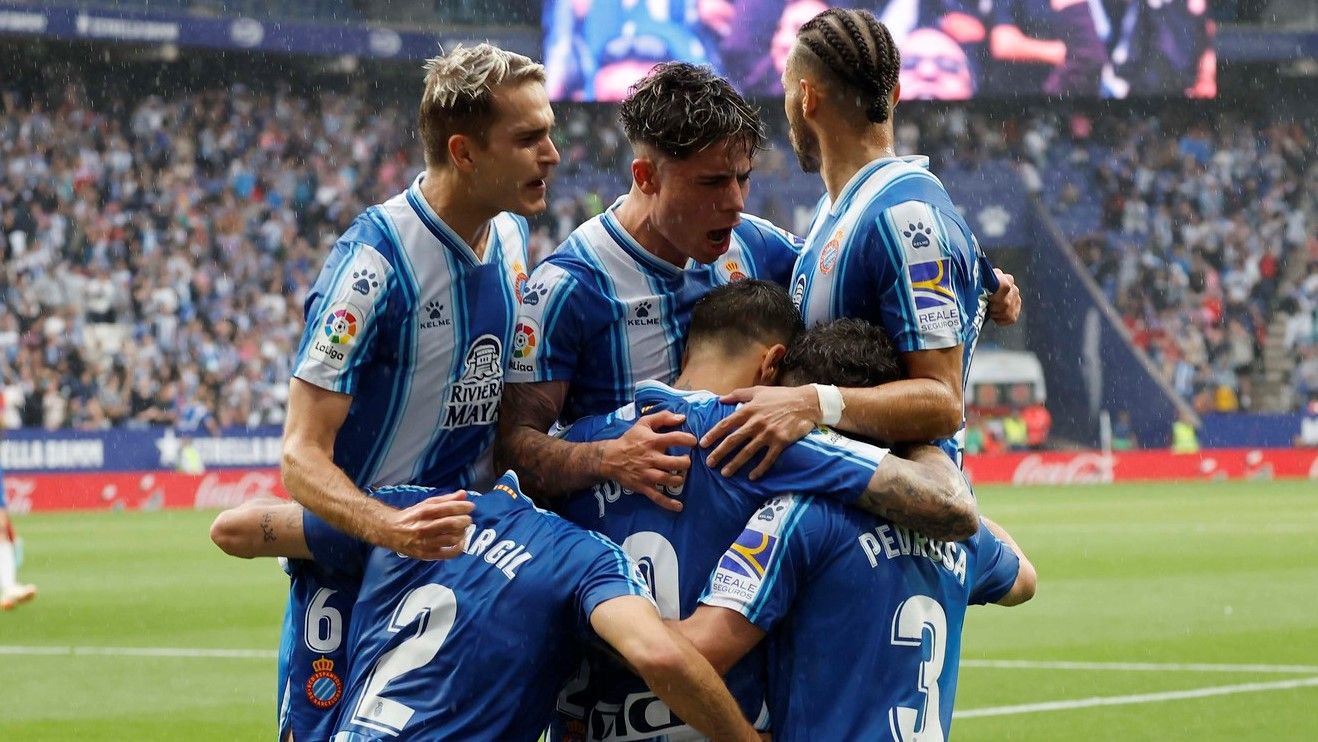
[[1176, 695], [1138, 666], [180, 652]]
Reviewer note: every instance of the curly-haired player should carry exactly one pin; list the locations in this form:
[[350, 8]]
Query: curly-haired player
[[609, 308]]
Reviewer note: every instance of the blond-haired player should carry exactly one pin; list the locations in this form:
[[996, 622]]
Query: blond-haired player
[[400, 369]]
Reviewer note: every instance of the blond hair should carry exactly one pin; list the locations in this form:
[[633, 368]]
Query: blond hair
[[458, 93]]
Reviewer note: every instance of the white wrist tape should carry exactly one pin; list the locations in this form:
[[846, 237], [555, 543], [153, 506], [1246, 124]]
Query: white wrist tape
[[830, 403]]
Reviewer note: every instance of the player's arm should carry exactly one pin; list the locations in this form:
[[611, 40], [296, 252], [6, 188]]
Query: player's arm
[[923, 490], [261, 527], [1026, 578], [551, 468], [673, 669], [721, 635], [314, 480], [924, 406]]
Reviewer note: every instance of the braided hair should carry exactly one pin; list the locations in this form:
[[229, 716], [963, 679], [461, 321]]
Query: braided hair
[[859, 51]]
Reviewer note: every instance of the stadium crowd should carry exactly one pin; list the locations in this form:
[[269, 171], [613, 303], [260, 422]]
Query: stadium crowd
[[154, 260], [155, 250], [1205, 239]]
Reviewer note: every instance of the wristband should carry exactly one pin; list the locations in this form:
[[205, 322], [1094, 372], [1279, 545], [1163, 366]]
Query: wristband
[[830, 404]]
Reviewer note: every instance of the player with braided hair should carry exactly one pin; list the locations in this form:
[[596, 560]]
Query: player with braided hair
[[886, 245]]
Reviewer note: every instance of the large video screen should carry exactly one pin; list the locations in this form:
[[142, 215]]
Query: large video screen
[[951, 49]]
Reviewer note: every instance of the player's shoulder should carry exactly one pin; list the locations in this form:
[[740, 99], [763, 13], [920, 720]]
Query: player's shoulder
[[699, 406], [760, 231]]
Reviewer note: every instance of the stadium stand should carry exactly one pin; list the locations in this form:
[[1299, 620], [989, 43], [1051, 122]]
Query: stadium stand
[[156, 247]]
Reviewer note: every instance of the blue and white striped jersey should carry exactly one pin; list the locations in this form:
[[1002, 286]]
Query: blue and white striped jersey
[[406, 319], [894, 251], [864, 617], [603, 314], [476, 647], [677, 551]]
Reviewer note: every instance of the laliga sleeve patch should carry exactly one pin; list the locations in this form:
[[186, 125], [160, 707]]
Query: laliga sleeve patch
[[340, 327]]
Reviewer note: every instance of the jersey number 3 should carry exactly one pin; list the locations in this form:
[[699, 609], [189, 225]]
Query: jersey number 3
[[916, 616]]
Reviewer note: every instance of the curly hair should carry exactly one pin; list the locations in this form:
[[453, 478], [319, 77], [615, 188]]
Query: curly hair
[[681, 109], [859, 52], [845, 352]]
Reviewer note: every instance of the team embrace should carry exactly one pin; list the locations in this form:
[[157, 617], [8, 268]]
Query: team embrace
[[691, 476]]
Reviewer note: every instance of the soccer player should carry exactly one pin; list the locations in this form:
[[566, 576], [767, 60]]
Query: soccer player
[[863, 616], [738, 335], [609, 307], [886, 245], [12, 592], [400, 369], [477, 647]]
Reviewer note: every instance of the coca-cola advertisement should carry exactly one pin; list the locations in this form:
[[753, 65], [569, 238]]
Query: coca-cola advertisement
[[149, 490], [1096, 467]]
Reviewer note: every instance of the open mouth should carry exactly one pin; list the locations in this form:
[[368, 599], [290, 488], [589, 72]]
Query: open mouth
[[718, 236], [537, 183]]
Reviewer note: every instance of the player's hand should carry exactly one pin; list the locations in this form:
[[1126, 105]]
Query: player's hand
[[717, 15], [1005, 303], [431, 529], [771, 419], [639, 461]]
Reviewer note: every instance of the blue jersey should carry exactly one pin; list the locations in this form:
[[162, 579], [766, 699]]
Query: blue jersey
[[864, 617], [476, 647], [602, 313], [894, 251], [677, 551], [406, 319]]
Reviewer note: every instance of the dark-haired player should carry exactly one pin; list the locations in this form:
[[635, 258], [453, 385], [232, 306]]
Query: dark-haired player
[[741, 334], [609, 308], [478, 646], [886, 245]]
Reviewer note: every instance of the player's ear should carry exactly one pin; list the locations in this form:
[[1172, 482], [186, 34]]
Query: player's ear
[[810, 96], [460, 152], [767, 374], [896, 97], [645, 172]]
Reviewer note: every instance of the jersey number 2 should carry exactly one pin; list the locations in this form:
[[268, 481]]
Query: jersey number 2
[[916, 616], [433, 608]]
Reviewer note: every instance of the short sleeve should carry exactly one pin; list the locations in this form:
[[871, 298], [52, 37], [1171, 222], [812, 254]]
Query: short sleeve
[[760, 574], [606, 572], [916, 277], [344, 317], [332, 549], [996, 568], [547, 339]]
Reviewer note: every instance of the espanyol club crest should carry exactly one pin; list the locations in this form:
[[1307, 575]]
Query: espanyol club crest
[[324, 688]]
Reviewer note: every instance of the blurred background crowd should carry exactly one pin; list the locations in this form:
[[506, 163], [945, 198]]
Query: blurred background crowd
[[157, 245]]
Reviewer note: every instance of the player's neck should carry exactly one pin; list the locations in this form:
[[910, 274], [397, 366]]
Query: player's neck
[[843, 154], [451, 201], [715, 373], [634, 216]]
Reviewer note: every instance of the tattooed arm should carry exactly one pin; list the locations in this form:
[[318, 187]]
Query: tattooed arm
[[551, 468], [924, 491], [261, 527]]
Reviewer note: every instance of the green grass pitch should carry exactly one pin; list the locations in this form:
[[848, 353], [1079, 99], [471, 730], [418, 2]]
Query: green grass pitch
[[1139, 587]]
